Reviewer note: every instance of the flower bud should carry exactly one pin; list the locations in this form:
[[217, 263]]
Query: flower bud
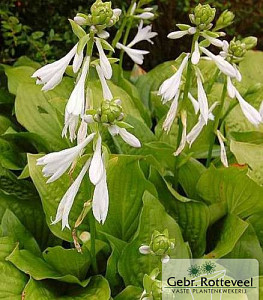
[[237, 49], [203, 16], [160, 243], [110, 111], [81, 19], [152, 286], [250, 42], [101, 13], [224, 20]]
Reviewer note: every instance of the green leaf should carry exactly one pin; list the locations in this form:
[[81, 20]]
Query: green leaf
[[21, 198], [126, 185], [133, 265], [189, 174], [230, 231], [251, 155], [234, 188], [52, 193], [78, 30], [12, 280], [68, 261], [4, 123], [18, 75], [98, 288], [40, 269], [12, 227], [130, 293], [36, 114], [192, 216], [248, 246], [112, 274]]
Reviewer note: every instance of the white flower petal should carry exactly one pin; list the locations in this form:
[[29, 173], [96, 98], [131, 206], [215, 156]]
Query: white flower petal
[[104, 62], [238, 74], [103, 34], [171, 86], [96, 165], [107, 95], [52, 74], [100, 203], [231, 90], [57, 163], [168, 122], [144, 249], [78, 59], [145, 15], [165, 259], [82, 132], [177, 34], [71, 123], [135, 54], [213, 41], [143, 34], [80, 20], [76, 102], [202, 99], [249, 111], [223, 65], [261, 110], [66, 202], [117, 12], [223, 155], [196, 54], [129, 138], [194, 103]]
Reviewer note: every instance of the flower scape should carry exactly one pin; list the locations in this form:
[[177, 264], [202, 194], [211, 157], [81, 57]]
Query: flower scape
[[107, 174]]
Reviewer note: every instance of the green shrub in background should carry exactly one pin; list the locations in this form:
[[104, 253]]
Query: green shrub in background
[[24, 26]]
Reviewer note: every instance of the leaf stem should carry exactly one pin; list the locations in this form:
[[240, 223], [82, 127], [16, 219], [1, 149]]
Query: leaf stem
[[216, 124], [93, 242]]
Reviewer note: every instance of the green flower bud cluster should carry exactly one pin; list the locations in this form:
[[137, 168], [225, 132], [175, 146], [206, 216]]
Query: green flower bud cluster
[[160, 243], [101, 15], [237, 49], [203, 16], [224, 20], [152, 286], [109, 112]]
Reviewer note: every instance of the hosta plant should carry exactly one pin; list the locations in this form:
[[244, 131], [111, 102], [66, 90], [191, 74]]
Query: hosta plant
[[108, 173]]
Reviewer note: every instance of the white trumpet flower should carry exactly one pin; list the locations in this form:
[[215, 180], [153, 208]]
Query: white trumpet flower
[[76, 103], [135, 54], [100, 203], [223, 155], [66, 202], [253, 116], [202, 98], [57, 163], [171, 86], [143, 34], [196, 54], [183, 139], [52, 74], [128, 138], [168, 122], [107, 95], [224, 66], [214, 41], [145, 15], [180, 33], [249, 111], [96, 166], [104, 62], [196, 130]]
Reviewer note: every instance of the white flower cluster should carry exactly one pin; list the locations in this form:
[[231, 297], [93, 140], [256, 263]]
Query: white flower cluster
[[57, 163], [171, 89]]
